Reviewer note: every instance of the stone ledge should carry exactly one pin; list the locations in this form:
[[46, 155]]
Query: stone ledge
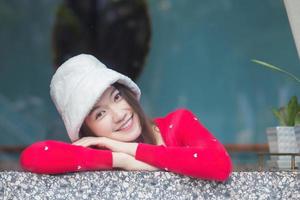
[[148, 185]]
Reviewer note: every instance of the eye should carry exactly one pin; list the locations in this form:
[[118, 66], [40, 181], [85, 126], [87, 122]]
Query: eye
[[117, 97], [100, 114]]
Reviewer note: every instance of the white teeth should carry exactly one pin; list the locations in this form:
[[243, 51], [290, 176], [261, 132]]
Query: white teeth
[[126, 125]]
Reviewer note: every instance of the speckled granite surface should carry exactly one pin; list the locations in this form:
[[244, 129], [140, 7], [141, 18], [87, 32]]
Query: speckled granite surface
[[148, 185]]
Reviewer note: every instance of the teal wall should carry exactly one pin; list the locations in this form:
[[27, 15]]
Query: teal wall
[[199, 58]]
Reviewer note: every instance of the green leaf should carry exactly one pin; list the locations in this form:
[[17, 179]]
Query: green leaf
[[292, 110], [297, 119], [280, 115], [272, 67]]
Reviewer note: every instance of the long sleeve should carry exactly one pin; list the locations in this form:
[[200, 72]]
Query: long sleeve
[[55, 157], [198, 155]]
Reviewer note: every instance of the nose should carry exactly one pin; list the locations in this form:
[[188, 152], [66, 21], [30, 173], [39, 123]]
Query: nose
[[118, 115]]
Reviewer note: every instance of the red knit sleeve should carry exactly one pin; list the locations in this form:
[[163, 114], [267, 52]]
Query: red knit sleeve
[[55, 157], [200, 155]]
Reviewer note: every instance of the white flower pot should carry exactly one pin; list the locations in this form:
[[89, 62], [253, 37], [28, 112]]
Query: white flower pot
[[297, 133], [282, 139]]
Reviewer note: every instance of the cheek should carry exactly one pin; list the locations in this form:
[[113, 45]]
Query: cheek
[[125, 105], [101, 127], [138, 122]]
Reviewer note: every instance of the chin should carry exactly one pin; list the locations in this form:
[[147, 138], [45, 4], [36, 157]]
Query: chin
[[131, 135]]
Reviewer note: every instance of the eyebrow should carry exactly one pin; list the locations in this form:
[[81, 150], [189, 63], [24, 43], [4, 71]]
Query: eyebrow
[[96, 107]]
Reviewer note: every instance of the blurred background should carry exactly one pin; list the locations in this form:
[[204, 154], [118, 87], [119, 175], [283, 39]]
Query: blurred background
[[194, 54]]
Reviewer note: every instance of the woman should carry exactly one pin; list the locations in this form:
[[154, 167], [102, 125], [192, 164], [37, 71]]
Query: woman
[[101, 111]]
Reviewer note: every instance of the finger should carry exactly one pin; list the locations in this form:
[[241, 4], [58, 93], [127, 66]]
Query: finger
[[84, 142], [90, 141], [79, 141]]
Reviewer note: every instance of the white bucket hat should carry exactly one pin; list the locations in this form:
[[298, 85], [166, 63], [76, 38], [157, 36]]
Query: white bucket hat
[[77, 85]]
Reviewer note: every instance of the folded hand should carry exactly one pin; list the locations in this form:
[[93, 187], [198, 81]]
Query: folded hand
[[104, 142]]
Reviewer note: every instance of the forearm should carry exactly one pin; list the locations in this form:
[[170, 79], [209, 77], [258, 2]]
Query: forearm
[[128, 162], [63, 158]]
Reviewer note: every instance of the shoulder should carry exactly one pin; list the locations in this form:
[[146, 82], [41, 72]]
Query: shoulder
[[179, 113], [183, 112]]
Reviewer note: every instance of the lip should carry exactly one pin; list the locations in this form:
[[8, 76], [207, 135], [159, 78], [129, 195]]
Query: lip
[[128, 124]]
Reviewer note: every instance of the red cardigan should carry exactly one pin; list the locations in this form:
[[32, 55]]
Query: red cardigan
[[190, 150]]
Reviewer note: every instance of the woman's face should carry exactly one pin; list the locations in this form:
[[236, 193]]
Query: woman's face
[[114, 118]]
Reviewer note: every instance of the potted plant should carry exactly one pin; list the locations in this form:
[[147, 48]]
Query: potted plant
[[284, 138]]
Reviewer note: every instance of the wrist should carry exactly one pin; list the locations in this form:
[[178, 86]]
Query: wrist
[[118, 159], [131, 148]]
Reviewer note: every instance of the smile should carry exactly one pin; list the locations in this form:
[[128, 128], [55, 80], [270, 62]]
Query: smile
[[127, 125]]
